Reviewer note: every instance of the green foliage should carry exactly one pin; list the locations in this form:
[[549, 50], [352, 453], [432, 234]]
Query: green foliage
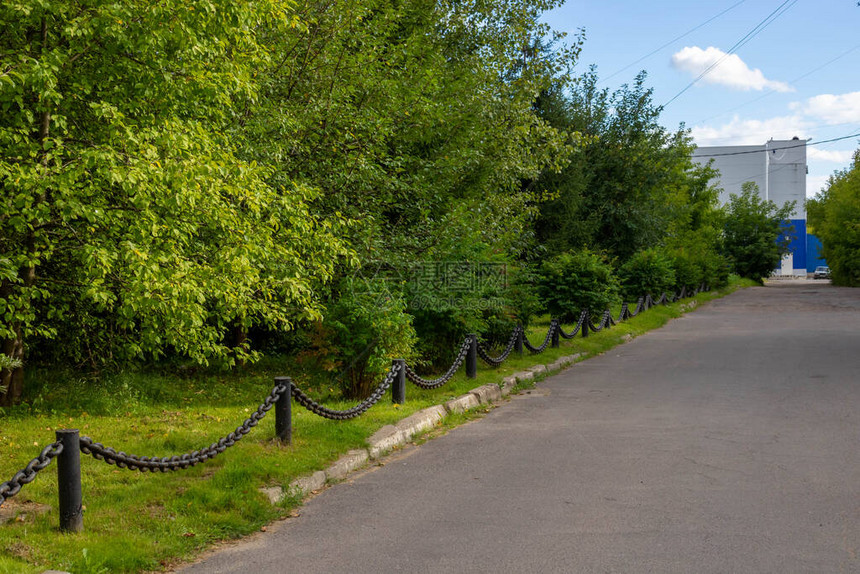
[[835, 215], [365, 327], [129, 226], [648, 271], [754, 236], [632, 186], [571, 282]]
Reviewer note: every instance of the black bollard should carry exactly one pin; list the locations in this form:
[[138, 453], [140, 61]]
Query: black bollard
[[398, 388], [69, 481], [283, 412], [554, 325], [472, 357], [585, 324], [518, 345]]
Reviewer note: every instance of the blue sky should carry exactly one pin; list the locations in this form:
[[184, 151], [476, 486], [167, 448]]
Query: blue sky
[[796, 75]]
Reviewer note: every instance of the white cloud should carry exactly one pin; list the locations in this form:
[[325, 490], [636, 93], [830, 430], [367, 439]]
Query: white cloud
[[834, 109], [815, 183], [834, 155], [731, 71], [751, 132]]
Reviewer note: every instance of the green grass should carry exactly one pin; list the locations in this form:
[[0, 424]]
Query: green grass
[[140, 521]]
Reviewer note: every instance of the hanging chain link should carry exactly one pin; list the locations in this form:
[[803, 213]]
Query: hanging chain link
[[353, 412], [496, 361], [552, 327], [28, 474], [576, 329], [429, 384], [187, 460]]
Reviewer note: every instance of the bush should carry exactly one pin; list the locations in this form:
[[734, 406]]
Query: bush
[[689, 272], [754, 235], [364, 328], [573, 281], [648, 271]]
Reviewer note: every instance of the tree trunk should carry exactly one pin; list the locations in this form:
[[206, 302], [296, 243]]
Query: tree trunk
[[12, 379]]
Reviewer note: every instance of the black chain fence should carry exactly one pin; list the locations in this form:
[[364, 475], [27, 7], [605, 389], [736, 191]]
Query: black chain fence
[[429, 384], [470, 350], [186, 460], [353, 412], [28, 474], [496, 361]]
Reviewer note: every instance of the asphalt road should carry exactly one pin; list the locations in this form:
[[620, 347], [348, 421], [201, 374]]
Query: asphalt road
[[726, 441]]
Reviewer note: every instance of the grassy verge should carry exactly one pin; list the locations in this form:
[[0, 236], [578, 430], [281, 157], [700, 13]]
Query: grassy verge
[[137, 522]]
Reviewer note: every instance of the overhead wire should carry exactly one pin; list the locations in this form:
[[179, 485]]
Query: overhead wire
[[804, 144], [673, 40], [779, 11], [794, 81]]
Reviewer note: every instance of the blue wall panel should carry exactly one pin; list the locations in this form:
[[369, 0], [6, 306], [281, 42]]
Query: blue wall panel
[[798, 243], [813, 253]]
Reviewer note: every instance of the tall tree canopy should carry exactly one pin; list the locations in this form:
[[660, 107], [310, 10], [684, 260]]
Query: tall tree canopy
[[129, 226], [834, 214], [633, 185]]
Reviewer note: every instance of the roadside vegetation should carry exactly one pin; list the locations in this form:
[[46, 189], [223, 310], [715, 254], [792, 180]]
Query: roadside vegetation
[[834, 214], [140, 521], [196, 197]]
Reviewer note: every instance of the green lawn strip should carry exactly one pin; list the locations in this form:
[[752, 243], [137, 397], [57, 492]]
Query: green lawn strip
[[140, 521]]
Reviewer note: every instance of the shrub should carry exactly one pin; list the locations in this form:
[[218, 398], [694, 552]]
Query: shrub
[[648, 271], [689, 272], [573, 281], [365, 327]]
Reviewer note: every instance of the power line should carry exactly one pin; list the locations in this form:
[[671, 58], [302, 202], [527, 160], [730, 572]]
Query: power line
[[804, 144], [780, 10], [672, 41], [794, 81]]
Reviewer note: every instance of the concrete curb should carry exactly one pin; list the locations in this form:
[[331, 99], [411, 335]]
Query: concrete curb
[[391, 436]]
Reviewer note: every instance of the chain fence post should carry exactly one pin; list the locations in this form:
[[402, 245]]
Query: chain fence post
[[585, 319], [554, 325], [472, 357], [69, 481], [518, 344], [283, 411], [398, 388]]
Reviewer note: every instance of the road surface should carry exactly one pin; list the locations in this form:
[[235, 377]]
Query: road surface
[[726, 441]]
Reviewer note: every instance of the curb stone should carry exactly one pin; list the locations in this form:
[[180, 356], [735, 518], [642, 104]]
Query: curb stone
[[349, 462], [421, 421], [307, 484], [508, 384], [384, 440], [538, 370], [462, 403], [487, 394], [523, 376]]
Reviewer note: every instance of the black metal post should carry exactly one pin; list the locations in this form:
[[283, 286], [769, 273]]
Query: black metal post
[[554, 326], [518, 345], [283, 412], [607, 318], [398, 389], [585, 324], [472, 357], [69, 481]]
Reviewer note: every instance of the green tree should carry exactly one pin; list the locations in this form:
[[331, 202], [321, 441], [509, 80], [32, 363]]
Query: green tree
[[570, 283], [834, 213], [755, 236], [415, 121], [129, 226], [632, 185]]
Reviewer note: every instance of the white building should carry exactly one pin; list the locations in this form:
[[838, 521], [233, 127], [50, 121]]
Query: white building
[[779, 170]]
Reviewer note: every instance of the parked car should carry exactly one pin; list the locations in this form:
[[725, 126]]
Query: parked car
[[821, 272]]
